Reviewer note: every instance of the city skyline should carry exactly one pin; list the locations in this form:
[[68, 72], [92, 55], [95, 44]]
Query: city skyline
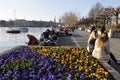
[[47, 10]]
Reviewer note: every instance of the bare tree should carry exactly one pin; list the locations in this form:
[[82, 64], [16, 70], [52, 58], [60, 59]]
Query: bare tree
[[69, 18], [97, 8]]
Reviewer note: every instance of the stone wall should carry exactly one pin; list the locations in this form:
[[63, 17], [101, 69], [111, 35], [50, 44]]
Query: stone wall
[[111, 33], [114, 34]]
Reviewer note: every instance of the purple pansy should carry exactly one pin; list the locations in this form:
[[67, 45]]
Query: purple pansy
[[22, 63]]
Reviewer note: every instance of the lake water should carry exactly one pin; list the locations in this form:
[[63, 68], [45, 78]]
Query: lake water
[[8, 40]]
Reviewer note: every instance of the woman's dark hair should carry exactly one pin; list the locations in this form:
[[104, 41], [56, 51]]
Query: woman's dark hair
[[102, 29], [92, 29]]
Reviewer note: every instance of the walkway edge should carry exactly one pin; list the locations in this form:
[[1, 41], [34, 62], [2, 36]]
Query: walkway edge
[[115, 52], [75, 42], [111, 70], [10, 50]]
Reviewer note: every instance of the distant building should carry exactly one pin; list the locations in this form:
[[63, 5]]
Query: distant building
[[25, 23], [113, 21], [20, 22]]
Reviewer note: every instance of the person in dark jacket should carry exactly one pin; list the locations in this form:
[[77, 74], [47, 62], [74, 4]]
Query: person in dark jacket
[[32, 40]]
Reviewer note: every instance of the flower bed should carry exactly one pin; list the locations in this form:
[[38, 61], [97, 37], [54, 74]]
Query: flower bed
[[50, 63], [82, 64], [22, 63]]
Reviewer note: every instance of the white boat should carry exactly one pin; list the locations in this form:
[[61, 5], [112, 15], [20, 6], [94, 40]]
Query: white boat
[[23, 29]]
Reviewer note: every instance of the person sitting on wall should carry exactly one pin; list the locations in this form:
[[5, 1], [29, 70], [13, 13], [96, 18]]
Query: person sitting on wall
[[48, 31], [32, 40], [91, 40], [102, 48], [53, 35]]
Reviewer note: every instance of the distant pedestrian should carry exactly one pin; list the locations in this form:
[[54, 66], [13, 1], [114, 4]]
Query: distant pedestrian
[[65, 31], [32, 40], [73, 29], [102, 48]]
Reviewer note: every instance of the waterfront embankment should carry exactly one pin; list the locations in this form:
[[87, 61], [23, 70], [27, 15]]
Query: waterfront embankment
[[79, 39]]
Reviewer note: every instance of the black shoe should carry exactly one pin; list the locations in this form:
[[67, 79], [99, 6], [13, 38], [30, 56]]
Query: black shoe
[[109, 62], [118, 62], [113, 58]]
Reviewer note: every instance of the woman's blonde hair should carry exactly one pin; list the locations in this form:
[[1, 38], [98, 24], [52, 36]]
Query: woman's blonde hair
[[104, 37]]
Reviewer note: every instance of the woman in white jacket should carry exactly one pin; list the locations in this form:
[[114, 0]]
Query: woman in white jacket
[[91, 40], [102, 48]]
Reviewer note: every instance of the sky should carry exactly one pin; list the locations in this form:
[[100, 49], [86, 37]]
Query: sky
[[47, 10]]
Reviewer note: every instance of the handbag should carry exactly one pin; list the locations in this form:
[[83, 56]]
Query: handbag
[[92, 41], [90, 47]]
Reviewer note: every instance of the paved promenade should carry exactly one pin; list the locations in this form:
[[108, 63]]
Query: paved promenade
[[115, 47], [79, 39]]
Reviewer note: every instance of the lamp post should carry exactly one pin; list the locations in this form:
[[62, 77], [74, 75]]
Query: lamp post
[[102, 17]]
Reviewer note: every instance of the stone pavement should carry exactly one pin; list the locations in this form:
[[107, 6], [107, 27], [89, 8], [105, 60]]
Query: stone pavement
[[79, 39], [115, 47]]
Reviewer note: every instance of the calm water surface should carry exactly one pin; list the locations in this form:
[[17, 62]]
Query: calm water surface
[[8, 40]]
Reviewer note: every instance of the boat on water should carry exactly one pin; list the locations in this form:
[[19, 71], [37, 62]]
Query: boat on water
[[23, 29], [13, 31]]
